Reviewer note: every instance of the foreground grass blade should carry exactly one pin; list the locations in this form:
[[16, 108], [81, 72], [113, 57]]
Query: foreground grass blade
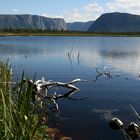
[[4, 112], [136, 113]]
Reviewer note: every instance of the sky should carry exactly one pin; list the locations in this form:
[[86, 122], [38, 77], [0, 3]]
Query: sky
[[69, 10]]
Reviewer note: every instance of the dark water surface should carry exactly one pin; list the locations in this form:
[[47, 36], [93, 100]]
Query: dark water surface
[[48, 57]]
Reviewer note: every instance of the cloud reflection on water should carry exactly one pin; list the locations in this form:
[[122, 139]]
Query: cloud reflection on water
[[120, 54]]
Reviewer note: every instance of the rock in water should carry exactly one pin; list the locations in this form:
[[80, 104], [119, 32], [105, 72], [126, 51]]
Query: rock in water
[[116, 124]]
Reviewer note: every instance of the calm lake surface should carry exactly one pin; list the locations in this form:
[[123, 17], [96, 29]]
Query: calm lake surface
[[86, 119]]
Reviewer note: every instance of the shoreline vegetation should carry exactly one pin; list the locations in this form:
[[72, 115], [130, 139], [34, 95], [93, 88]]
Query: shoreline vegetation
[[16, 119], [22, 32], [27, 106]]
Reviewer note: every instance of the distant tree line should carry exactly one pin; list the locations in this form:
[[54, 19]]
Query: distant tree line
[[20, 30], [38, 31], [30, 30]]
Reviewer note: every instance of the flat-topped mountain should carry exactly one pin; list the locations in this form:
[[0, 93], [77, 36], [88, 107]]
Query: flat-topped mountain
[[33, 22], [116, 22], [79, 26]]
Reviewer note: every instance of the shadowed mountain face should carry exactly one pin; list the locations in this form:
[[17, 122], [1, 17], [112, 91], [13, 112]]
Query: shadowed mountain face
[[31, 22], [79, 26], [116, 22]]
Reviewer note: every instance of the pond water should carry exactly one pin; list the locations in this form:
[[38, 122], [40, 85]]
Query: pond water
[[48, 57]]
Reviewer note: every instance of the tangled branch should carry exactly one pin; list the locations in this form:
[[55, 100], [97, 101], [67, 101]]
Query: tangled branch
[[40, 90]]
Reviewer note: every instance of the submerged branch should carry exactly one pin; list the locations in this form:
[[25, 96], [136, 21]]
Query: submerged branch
[[40, 90]]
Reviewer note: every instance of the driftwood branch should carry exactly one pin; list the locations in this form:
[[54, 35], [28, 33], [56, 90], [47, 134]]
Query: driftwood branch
[[105, 73], [40, 90]]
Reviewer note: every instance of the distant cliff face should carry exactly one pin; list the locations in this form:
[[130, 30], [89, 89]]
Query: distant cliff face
[[79, 26], [116, 22], [31, 22]]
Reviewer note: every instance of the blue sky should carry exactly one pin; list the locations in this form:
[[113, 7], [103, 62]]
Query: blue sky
[[70, 10]]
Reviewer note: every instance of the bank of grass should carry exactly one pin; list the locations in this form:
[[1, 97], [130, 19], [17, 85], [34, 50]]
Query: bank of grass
[[20, 119], [64, 33]]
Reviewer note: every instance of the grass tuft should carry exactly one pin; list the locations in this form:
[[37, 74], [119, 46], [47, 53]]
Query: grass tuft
[[19, 116]]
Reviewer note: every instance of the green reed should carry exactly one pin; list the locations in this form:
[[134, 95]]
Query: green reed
[[20, 118]]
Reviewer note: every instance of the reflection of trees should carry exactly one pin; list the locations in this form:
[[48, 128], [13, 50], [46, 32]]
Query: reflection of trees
[[12, 49]]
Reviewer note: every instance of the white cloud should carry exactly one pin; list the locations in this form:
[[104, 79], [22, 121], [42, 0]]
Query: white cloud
[[93, 7], [91, 11], [129, 6], [54, 16], [69, 16], [88, 12], [73, 15], [15, 10]]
